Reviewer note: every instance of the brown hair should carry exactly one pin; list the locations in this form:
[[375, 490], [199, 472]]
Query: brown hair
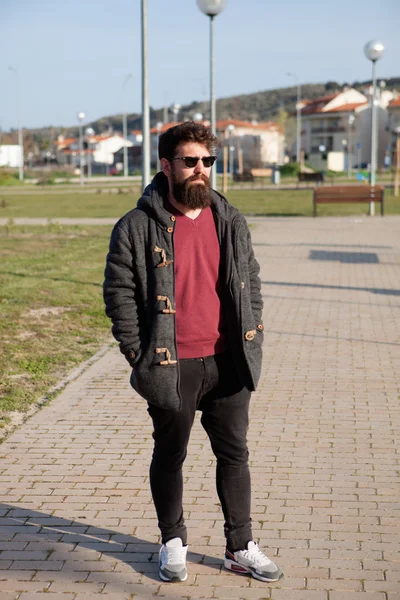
[[189, 131]]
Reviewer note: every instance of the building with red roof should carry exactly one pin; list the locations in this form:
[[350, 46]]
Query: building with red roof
[[251, 144], [336, 129]]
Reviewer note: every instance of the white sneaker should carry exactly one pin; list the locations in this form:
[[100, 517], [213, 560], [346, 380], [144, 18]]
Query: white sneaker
[[172, 561], [253, 561]]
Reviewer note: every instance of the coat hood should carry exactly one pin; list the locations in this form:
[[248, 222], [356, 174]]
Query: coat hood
[[151, 202]]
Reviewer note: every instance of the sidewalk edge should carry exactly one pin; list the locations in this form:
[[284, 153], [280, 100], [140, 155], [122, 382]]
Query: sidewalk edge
[[19, 418]]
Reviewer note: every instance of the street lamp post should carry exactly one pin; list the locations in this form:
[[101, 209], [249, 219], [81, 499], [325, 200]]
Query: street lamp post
[[158, 128], [124, 124], [20, 137], [349, 145], [298, 117], [145, 101], [81, 116], [212, 8], [231, 128], [89, 131], [175, 108], [373, 50]]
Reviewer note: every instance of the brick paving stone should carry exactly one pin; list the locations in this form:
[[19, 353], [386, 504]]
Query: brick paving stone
[[118, 576], [358, 596], [23, 586], [185, 591], [76, 516], [335, 584], [45, 596], [277, 594], [61, 587]]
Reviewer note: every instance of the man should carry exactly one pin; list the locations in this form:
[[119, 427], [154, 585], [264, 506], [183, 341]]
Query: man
[[183, 293]]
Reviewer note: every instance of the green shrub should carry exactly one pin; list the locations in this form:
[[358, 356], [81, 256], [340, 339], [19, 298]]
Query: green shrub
[[290, 169], [8, 177]]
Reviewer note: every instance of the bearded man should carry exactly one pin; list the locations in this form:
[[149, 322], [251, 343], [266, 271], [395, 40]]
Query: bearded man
[[184, 296]]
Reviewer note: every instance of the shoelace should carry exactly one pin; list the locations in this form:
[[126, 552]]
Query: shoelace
[[258, 557], [175, 556]]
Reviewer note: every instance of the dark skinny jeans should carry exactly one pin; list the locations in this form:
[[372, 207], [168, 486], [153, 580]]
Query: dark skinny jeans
[[210, 385]]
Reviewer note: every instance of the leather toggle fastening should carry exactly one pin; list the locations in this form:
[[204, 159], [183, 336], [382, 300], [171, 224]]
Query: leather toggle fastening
[[250, 335], [164, 262], [168, 360], [168, 310]]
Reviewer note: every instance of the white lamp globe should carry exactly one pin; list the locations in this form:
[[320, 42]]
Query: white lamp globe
[[373, 50], [211, 8]]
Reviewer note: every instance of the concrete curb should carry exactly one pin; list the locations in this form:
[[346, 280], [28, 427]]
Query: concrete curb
[[19, 418]]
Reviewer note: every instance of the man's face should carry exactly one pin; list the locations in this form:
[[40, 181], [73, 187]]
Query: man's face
[[190, 186]]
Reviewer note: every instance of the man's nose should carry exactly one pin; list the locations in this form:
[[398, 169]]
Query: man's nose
[[199, 168]]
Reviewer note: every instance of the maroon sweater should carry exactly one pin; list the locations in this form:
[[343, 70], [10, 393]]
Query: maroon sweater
[[199, 322]]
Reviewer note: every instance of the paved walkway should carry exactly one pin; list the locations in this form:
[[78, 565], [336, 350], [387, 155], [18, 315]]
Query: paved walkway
[[76, 515]]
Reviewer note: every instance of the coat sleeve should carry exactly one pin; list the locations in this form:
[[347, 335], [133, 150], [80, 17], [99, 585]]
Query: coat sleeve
[[119, 293], [255, 281]]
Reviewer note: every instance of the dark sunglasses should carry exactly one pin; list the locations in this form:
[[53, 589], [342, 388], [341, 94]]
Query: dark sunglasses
[[191, 161]]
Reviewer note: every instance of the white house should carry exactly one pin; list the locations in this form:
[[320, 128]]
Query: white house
[[136, 137], [98, 149], [393, 125], [104, 147], [337, 129], [261, 144], [394, 114], [11, 156]]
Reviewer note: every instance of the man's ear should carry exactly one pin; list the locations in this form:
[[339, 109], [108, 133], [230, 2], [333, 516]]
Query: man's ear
[[165, 166]]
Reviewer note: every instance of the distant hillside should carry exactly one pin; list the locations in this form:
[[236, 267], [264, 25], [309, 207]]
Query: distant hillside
[[261, 106]]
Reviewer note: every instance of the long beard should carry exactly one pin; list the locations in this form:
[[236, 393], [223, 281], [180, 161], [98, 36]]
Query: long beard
[[193, 195]]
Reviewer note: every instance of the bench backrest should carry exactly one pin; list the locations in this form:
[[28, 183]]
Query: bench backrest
[[317, 176], [261, 172], [350, 191]]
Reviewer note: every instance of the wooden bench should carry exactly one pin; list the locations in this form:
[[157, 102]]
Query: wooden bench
[[348, 193], [316, 176], [261, 172], [245, 176]]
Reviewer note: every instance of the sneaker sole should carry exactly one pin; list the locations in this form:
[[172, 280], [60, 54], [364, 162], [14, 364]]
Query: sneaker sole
[[231, 565], [173, 579]]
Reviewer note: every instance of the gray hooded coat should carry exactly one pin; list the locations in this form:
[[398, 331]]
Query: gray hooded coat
[[139, 294]]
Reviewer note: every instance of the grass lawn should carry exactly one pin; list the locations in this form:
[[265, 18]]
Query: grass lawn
[[299, 203], [51, 307], [257, 202]]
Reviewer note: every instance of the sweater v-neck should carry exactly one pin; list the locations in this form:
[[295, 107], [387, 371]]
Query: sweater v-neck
[[177, 213]]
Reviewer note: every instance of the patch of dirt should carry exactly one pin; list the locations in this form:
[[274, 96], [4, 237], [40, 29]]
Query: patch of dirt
[[38, 313], [13, 420], [19, 376], [25, 335]]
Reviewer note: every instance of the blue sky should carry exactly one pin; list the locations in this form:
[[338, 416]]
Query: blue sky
[[73, 55]]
